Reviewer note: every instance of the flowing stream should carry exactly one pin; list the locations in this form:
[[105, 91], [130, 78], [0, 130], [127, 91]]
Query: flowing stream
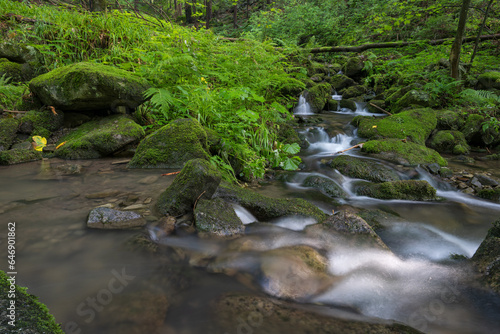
[[416, 283]]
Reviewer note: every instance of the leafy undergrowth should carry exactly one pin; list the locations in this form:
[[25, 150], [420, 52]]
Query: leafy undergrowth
[[239, 89]]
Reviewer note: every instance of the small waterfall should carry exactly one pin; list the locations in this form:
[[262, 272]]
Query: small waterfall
[[337, 97], [321, 141], [303, 108]]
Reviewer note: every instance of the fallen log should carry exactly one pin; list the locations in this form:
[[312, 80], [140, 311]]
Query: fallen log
[[388, 45], [388, 113]]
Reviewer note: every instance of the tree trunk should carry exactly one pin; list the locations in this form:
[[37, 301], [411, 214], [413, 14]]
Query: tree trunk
[[209, 13], [457, 44], [480, 31], [235, 19], [248, 8], [189, 13]]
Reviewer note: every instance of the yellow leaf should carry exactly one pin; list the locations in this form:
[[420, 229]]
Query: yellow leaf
[[61, 144], [373, 127], [39, 143]]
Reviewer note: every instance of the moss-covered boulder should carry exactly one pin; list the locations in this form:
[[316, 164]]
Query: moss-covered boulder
[[449, 141], [318, 96], [27, 56], [287, 134], [41, 123], [11, 70], [339, 81], [472, 129], [217, 218], [271, 316], [100, 138], [8, 130], [17, 156], [89, 87], [354, 67], [325, 185], [267, 208], [401, 152], [406, 190], [414, 98], [172, 146], [489, 80], [197, 180], [308, 267], [415, 125], [362, 168], [449, 120], [29, 316], [372, 106], [490, 194], [487, 257], [354, 91], [11, 96]]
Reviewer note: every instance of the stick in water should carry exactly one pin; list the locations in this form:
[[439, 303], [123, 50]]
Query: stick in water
[[350, 148]]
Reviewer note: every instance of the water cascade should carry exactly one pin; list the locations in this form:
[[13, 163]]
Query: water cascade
[[303, 108]]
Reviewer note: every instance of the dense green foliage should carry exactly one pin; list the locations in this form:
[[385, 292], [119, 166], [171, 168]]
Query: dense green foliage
[[232, 88]]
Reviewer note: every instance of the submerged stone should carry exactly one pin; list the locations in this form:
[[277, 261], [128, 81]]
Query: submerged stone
[[197, 180], [97, 139], [89, 86], [365, 169], [217, 218], [106, 218], [172, 146]]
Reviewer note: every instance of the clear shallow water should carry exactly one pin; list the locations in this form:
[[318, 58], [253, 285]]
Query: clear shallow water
[[65, 264]]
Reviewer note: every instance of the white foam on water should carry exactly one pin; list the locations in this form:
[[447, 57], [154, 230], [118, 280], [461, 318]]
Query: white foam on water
[[244, 215], [303, 108], [295, 223]]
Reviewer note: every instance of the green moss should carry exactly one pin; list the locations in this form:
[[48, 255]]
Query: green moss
[[408, 153], [449, 120], [414, 98], [487, 257], [354, 91], [89, 86], [217, 218], [11, 70], [490, 80], [472, 128], [266, 208], [415, 125], [287, 134], [319, 95], [31, 315], [490, 194], [8, 129], [42, 123], [449, 141], [99, 138], [172, 146], [405, 190], [340, 81], [325, 185], [12, 157], [362, 169], [11, 96]]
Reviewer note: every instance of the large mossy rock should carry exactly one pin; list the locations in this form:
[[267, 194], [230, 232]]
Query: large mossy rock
[[89, 87], [197, 180], [487, 257], [27, 58], [30, 316], [354, 67], [489, 80], [472, 129], [325, 185], [415, 125], [449, 120], [41, 123], [406, 190], [340, 81], [17, 156], [267, 208], [404, 153], [362, 168], [270, 316], [414, 98], [318, 96], [100, 138], [449, 141], [172, 146], [489, 194], [11, 70], [217, 218], [8, 130]]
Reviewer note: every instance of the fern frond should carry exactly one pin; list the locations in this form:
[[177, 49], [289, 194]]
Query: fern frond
[[480, 96], [4, 80]]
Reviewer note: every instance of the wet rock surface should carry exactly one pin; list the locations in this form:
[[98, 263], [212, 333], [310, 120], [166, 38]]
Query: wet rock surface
[[106, 218]]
